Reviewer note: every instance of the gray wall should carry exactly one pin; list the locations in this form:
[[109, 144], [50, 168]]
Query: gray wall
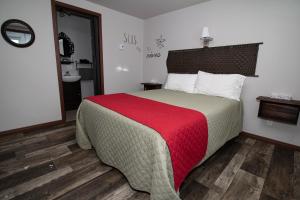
[[274, 22], [28, 76]]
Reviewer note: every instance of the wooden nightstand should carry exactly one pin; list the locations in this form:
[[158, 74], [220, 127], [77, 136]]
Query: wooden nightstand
[[286, 111], [151, 86]]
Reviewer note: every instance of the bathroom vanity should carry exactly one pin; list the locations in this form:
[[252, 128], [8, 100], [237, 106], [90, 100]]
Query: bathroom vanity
[[72, 95]]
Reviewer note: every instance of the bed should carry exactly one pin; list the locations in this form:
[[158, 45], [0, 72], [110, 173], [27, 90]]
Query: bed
[[140, 152]]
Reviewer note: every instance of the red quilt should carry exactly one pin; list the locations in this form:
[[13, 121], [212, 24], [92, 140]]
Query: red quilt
[[184, 130]]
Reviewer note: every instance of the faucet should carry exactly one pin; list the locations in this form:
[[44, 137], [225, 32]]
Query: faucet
[[67, 73]]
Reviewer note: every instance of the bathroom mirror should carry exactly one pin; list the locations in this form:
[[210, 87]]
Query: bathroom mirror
[[66, 46], [17, 33]]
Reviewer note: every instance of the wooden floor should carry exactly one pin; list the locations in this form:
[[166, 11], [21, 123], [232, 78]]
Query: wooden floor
[[48, 164]]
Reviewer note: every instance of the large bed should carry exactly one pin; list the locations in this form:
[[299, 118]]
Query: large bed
[[140, 152]]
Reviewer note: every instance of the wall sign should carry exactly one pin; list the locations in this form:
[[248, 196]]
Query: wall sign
[[129, 39]]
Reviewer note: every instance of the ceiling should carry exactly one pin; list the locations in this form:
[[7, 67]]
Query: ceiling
[[146, 8]]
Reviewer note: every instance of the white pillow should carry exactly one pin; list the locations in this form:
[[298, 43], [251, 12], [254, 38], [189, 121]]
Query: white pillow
[[181, 82], [223, 85]]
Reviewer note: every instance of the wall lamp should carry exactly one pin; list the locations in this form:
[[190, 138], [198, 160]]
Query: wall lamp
[[205, 37]]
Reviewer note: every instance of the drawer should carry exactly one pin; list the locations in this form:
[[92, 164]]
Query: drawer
[[279, 112]]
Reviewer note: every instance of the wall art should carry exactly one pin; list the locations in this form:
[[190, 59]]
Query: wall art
[[160, 42], [129, 39], [151, 54]]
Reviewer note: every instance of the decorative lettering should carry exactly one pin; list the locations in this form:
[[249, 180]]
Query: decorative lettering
[[130, 39], [151, 54]]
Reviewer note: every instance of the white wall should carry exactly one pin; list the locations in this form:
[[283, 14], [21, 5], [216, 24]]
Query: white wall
[[29, 92], [28, 80], [274, 22], [28, 76]]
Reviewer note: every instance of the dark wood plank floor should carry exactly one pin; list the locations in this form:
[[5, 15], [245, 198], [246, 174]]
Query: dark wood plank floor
[[48, 164]]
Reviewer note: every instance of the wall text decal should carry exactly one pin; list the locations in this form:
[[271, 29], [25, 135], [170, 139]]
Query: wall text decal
[[151, 54], [159, 44], [129, 39]]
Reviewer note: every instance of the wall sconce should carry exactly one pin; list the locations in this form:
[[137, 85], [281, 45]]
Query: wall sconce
[[205, 37]]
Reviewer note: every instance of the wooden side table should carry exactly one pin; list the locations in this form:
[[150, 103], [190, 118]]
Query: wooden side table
[[151, 86], [280, 110]]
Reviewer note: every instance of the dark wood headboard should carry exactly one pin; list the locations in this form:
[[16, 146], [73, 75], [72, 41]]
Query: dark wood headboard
[[235, 59]]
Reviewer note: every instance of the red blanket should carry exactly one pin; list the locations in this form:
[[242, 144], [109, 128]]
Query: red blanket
[[184, 130]]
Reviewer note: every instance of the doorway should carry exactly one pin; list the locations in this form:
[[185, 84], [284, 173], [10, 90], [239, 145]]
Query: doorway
[[79, 55]]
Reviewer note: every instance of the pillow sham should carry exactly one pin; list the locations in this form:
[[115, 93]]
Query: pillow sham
[[223, 85], [181, 82]]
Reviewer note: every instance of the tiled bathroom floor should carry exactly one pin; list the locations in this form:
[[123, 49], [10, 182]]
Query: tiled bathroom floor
[[71, 115]]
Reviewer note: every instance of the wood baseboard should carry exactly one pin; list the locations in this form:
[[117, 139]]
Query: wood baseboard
[[269, 140], [32, 128]]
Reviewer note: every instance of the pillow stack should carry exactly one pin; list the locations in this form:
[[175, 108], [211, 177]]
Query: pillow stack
[[222, 85]]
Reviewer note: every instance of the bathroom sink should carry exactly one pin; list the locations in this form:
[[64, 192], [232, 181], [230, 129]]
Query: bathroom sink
[[72, 78]]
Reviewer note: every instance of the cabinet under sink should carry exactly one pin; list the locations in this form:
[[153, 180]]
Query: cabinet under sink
[[72, 95]]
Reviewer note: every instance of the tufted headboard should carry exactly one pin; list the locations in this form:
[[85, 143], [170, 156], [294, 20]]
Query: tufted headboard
[[235, 59]]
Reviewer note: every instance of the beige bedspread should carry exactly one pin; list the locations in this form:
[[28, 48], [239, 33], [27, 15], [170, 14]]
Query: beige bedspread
[[139, 152]]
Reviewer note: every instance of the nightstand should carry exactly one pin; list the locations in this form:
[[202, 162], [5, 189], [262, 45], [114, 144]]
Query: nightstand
[[151, 86], [280, 110]]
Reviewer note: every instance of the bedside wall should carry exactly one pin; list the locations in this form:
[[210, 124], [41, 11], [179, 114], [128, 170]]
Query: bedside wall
[[274, 22]]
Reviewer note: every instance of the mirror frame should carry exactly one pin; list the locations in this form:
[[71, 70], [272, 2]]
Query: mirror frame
[[7, 39], [67, 42]]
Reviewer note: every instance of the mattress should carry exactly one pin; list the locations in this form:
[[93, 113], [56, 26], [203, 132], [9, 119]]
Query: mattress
[[138, 151]]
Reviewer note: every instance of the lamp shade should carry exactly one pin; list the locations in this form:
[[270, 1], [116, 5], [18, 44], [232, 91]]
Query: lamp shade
[[205, 32]]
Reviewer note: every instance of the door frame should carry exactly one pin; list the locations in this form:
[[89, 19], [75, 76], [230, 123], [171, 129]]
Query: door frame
[[99, 45]]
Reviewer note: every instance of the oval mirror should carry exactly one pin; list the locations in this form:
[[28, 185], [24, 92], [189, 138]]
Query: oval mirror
[[17, 33], [66, 46]]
